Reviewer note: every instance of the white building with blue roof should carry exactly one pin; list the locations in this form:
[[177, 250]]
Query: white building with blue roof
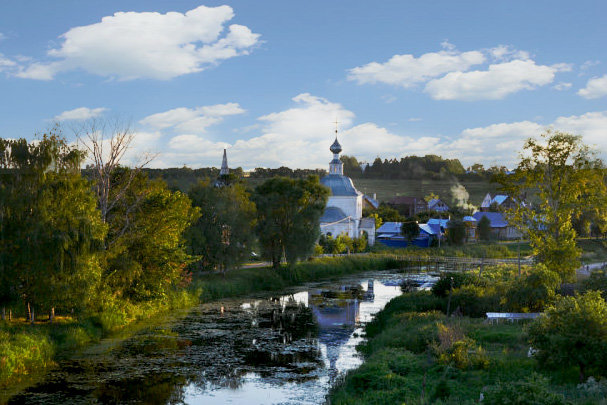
[[344, 210]]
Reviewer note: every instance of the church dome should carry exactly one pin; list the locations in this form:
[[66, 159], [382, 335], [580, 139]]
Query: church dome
[[336, 147], [340, 185]]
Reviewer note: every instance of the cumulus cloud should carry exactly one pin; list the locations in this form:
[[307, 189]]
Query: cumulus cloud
[[300, 136], [595, 88], [131, 45], [192, 119], [407, 70], [495, 83], [80, 114], [446, 74]]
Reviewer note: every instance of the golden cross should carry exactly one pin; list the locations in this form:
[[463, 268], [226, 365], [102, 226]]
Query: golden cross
[[336, 122]]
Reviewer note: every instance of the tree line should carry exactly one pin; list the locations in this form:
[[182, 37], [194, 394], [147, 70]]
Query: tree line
[[74, 240]]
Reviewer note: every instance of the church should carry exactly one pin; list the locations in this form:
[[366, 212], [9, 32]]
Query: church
[[344, 210]]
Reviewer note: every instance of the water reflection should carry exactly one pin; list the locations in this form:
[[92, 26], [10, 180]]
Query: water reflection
[[284, 349]]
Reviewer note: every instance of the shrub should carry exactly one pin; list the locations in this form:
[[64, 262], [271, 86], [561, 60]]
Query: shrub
[[443, 285], [533, 390], [476, 301], [533, 292]]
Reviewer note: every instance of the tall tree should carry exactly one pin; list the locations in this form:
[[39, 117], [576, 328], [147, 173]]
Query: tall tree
[[51, 230], [288, 217], [147, 253], [223, 236], [566, 178]]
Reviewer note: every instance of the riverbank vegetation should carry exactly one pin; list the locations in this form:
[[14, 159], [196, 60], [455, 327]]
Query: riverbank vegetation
[[417, 354]]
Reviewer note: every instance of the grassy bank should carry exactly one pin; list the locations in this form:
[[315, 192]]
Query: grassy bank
[[25, 348], [416, 355]]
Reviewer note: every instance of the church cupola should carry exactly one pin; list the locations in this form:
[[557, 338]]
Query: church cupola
[[336, 166]]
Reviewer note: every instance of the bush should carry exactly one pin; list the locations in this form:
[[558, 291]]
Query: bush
[[476, 301], [597, 281], [533, 292], [573, 332], [443, 285], [533, 390]]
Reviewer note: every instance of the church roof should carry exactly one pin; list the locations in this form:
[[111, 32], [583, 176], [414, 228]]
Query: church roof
[[332, 214], [340, 185]]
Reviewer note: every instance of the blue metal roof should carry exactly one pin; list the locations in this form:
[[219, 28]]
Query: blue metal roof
[[372, 201], [436, 221], [390, 228], [496, 219], [332, 214], [468, 218], [340, 185]]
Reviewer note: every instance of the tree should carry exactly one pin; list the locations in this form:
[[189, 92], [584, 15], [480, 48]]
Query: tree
[[484, 229], [147, 254], [107, 142], [456, 232], [566, 178], [223, 235], [533, 292], [51, 230], [409, 229], [288, 216], [573, 332]]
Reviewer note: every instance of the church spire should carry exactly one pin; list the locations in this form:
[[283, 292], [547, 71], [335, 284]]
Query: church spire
[[224, 165]]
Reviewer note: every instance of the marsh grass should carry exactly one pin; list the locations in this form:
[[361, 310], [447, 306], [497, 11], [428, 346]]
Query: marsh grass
[[412, 357]]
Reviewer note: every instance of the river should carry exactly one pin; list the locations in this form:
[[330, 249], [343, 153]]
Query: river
[[265, 349]]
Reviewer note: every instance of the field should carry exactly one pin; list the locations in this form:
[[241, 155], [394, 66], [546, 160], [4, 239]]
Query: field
[[386, 189]]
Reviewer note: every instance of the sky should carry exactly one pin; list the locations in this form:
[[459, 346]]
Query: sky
[[267, 79]]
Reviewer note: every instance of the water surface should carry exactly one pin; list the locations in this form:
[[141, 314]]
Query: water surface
[[283, 349]]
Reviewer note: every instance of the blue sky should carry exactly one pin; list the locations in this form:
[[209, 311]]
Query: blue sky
[[469, 80]]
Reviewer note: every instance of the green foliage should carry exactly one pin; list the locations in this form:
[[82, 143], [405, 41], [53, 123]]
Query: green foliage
[[484, 229], [597, 282], [566, 179], [573, 332], [223, 236], [456, 232], [475, 301], [50, 230], [22, 352], [409, 229], [146, 254], [288, 217], [450, 280], [534, 291], [532, 390], [342, 244]]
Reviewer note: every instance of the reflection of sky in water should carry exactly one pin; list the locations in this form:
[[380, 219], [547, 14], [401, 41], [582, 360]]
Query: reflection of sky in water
[[337, 345]]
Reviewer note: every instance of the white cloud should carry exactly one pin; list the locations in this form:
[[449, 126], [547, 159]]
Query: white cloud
[[131, 45], [407, 70], [446, 73], [6, 64], [192, 119], [595, 88], [300, 136], [592, 126], [495, 83], [79, 114], [562, 86]]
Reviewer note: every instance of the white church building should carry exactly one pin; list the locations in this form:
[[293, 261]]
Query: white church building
[[344, 210]]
